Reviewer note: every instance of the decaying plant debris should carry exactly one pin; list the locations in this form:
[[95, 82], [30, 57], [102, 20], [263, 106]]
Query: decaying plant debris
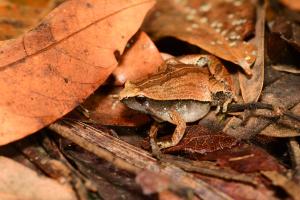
[[65, 134]]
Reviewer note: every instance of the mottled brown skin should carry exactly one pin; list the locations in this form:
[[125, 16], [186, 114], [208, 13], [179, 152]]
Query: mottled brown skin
[[180, 93]]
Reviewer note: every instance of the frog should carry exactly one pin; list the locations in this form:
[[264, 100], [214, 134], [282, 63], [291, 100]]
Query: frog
[[183, 91]]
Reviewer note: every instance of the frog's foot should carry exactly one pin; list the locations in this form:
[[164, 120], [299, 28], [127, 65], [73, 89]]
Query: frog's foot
[[178, 133], [225, 105]]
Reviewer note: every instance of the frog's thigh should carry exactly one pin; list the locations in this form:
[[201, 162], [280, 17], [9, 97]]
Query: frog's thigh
[[178, 133]]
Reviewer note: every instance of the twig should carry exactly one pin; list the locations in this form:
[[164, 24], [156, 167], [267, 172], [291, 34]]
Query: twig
[[133, 159], [259, 105], [199, 167]]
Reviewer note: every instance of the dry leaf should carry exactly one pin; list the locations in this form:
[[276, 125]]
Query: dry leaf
[[20, 182], [292, 4], [107, 110], [248, 159], [240, 191], [50, 70], [283, 92], [251, 87], [200, 140], [140, 60], [288, 31], [284, 127], [152, 182], [217, 26], [18, 16], [282, 181]]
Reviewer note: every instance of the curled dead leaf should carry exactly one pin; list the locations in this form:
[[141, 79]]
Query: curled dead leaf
[[217, 26]]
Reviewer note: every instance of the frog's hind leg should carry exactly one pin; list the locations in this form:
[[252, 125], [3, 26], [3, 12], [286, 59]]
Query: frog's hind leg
[[178, 133]]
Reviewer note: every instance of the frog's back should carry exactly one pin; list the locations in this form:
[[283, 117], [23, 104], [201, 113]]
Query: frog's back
[[179, 82]]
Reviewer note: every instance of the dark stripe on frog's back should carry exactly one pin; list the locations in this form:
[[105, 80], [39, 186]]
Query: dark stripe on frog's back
[[169, 73]]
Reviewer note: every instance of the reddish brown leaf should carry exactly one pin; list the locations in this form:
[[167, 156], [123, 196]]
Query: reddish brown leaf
[[152, 182], [248, 159], [138, 61], [200, 140], [51, 69], [217, 26], [240, 191], [107, 110], [19, 182]]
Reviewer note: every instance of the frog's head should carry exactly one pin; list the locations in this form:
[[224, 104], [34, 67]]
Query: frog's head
[[131, 96], [130, 90]]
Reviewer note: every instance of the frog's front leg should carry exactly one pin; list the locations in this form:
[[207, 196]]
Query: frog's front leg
[[153, 134], [178, 133]]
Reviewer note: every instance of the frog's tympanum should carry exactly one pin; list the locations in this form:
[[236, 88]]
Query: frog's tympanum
[[183, 91]]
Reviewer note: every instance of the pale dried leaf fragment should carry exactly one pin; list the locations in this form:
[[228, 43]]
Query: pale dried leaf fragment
[[50, 70], [287, 68], [251, 87], [20, 182]]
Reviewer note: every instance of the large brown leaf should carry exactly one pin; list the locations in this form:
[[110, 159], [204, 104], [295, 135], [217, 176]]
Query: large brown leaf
[[48, 71], [216, 26]]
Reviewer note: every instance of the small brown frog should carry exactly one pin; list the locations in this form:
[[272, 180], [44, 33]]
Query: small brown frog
[[183, 91]]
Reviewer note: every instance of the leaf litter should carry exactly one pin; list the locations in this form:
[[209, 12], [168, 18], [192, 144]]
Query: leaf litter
[[102, 150]]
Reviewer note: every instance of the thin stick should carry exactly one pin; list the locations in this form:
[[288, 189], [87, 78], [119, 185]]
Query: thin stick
[[259, 105], [131, 158]]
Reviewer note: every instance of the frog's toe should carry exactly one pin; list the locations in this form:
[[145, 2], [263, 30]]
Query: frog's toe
[[218, 109], [165, 144], [155, 149], [225, 106]]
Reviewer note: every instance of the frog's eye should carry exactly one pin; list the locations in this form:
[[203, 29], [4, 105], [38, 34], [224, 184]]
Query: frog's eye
[[140, 100]]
